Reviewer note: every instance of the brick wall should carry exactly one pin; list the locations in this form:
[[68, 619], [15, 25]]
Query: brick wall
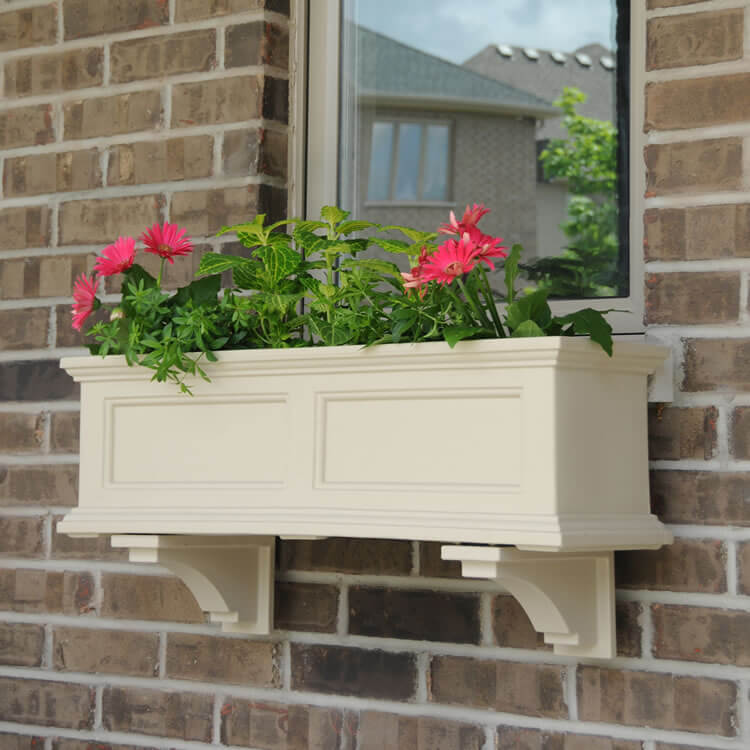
[[119, 112]]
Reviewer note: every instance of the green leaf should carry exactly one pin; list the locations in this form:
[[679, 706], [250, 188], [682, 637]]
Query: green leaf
[[375, 265], [245, 276], [527, 328], [215, 263], [330, 334], [393, 246], [454, 334], [511, 272], [529, 307], [591, 322], [417, 237], [135, 274], [333, 215], [253, 227], [201, 292], [349, 227], [279, 262]]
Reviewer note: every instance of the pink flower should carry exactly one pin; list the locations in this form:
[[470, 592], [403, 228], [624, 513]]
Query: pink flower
[[116, 258], [490, 247], [84, 296], [469, 220], [450, 260], [167, 242]]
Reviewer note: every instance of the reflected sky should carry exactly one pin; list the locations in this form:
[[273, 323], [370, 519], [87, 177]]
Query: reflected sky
[[457, 29]]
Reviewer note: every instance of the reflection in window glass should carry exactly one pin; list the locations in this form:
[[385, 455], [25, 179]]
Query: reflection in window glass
[[460, 103], [379, 185], [407, 166], [435, 183]]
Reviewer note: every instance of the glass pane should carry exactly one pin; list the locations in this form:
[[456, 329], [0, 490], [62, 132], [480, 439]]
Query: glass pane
[[481, 119], [407, 164], [379, 184], [435, 181]]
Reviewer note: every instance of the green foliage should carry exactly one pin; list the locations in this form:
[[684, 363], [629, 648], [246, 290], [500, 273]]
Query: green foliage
[[311, 287], [587, 161]]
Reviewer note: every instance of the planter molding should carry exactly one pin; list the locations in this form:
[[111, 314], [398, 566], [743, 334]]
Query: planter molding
[[538, 445]]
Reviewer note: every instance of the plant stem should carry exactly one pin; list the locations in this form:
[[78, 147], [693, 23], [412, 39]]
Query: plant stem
[[161, 271], [459, 304], [487, 291], [474, 304]]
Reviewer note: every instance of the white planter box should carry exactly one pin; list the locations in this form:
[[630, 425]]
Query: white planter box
[[538, 443]]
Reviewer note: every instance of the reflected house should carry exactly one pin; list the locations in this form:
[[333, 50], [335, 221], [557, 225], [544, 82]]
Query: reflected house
[[591, 69], [433, 136]]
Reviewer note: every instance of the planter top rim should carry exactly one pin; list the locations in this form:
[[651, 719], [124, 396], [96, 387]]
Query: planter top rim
[[550, 350]]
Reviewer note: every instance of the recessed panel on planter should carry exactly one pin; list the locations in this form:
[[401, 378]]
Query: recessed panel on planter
[[399, 440], [242, 441]]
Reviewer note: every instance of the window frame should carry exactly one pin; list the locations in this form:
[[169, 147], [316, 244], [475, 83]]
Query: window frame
[[315, 81]]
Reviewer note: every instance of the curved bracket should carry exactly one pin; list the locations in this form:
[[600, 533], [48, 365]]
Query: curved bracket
[[568, 596], [231, 577]]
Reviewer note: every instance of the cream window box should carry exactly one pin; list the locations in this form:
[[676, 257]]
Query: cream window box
[[535, 446]]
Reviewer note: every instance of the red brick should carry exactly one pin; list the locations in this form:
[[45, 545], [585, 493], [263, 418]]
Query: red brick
[[161, 161], [21, 742], [112, 115], [64, 432], [28, 27], [195, 10], [254, 152], [278, 726], [652, 4], [109, 651], [24, 329], [739, 438], [310, 607], [21, 645], [705, 634], [205, 212], [40, 591], [148, 598], [23, 536], [204, 658], [158, 56], [511, 626], [717, 365], [628, 628], [417, 615], [743, 563], [701, 497], [257, 43], [219, 100], [692, 298], [39, 485], [697, 103], [21, 228], [26, 126], [36, 380], [85, 18], [431, 564], [512, 687], [40, 75], [21, 433], [102, 221], [352, 671], [42, 275], [371, 556], [186, 716], [66, 335], [62, 744], [52, 173], [381, 731], [676, 433], [694, 39], [694, 565], [699, 233], [663, 701], [693, 167], [65, 547], [512, 738], [49, 704]]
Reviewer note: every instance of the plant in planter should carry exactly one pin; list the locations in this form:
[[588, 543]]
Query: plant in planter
[[309, 430], [317, 266]]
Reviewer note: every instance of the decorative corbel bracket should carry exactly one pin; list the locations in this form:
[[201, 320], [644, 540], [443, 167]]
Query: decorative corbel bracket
[[568, 596], [231, 577]]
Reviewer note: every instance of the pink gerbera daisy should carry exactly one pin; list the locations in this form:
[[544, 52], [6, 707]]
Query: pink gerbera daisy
[[451, 260], [490, 247], [167, 241], [469, 220], [116, 258], [84, 296]]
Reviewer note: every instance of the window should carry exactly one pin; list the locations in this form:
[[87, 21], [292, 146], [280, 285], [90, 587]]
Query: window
[[409, 162], [418, 107]]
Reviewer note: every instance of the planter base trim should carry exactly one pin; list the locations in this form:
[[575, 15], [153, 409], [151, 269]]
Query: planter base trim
[[570, 597], [231, 577]]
